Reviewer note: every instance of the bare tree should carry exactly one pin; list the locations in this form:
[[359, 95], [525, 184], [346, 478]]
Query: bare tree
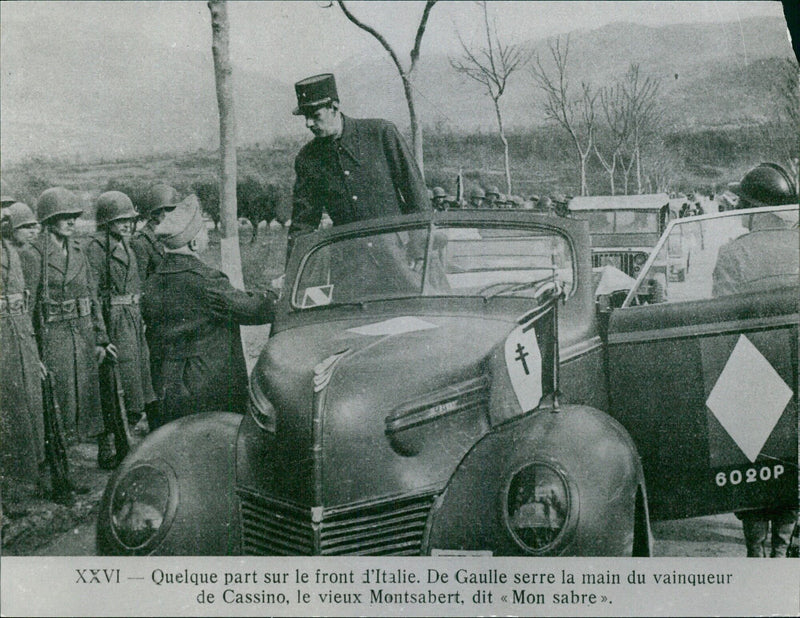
[[609, 150], [574, 113], [406, 74], [644, 117], [229, 245], [788, 97], [491, 66]]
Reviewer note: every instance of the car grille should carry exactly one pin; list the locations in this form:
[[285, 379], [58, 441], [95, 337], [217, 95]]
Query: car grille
[[622, 261], [272, 528]]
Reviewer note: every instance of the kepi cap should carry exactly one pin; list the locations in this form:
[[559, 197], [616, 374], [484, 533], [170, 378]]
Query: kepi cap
[[315, 91]]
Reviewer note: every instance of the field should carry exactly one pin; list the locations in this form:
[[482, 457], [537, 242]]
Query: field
[[542, 161]]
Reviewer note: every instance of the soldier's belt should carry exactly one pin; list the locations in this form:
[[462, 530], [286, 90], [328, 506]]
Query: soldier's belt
[[14, 304], [68, 309], [125, 299]]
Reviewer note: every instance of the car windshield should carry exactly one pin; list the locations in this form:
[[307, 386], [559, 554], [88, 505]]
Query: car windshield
[[483, 261], [622, 221], [722, 254]]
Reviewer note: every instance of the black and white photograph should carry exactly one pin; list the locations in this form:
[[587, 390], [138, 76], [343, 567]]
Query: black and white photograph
[[470, 281]]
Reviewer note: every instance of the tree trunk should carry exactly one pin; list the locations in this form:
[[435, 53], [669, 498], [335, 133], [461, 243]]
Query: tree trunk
[[416, 127], [506, 160], [638, 172], [229, 244], [584, 187]]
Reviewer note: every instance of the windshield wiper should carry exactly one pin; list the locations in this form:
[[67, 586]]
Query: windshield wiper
[[526, 285]]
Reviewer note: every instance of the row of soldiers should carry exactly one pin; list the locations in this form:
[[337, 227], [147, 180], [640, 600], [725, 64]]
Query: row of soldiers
[[492, 198], [89, 351]]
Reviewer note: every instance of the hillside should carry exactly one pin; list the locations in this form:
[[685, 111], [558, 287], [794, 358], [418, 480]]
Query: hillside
[[80, 93]]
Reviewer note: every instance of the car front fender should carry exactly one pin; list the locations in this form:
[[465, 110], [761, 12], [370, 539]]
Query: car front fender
[[593, 455], [187, 471]]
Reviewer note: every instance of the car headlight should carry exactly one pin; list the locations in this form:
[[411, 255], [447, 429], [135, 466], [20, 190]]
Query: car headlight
[[262, 411], [143, 505], [537, 506]]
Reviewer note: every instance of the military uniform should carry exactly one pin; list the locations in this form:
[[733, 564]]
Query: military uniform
[[119, 289], [21, 415], [760, 261], [149, 251], [198, 351], [66, 303], [368, 172]]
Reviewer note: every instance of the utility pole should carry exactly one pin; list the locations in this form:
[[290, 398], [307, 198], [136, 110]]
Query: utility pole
[[223, 73]]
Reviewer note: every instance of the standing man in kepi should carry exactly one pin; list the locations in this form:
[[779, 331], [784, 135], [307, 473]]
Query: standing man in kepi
[[760, 262], [149, 251], [115, 269], [193, 314], [354, 168]]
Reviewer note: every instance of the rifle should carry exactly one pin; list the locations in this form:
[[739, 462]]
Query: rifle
[[112, 394]]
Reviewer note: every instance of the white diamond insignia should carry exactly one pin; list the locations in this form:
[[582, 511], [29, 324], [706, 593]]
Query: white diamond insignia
[[748, 398]]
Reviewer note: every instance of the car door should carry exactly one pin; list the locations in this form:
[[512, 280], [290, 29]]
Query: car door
[[704, 377]]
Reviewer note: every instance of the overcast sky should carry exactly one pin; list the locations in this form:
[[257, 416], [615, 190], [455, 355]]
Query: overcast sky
[[292, 40]]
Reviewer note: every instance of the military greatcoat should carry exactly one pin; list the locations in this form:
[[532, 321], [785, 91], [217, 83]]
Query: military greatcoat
[[148, 249], [21, 416], [198, 351], [119, 290], [368, 172], [70, 324]]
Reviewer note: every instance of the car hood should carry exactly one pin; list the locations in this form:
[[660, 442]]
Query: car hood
[[336, 386]]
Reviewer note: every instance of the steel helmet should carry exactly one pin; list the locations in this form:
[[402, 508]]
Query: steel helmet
[[57, 201], [159, 197], [112, 206], [477, 192], [439, 192], [19, 214], [6, 197], [767, 184], [493, 191]]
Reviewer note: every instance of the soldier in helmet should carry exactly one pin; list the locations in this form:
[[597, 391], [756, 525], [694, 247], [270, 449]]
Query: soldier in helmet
[[476, 197], [21, 415], [67, 316], [758, 262], [439, 201], [115, 269], [149, 251], [492, 197]]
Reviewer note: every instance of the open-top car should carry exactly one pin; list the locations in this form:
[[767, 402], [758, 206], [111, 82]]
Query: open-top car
[[438, 384]]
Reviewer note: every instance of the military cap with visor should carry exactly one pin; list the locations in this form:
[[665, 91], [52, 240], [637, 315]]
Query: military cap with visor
[[315, 92], [57, 202], [113, 206]]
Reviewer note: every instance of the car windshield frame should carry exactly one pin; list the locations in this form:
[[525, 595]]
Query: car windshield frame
[[651, 214], [631, 298], [430, 227]]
